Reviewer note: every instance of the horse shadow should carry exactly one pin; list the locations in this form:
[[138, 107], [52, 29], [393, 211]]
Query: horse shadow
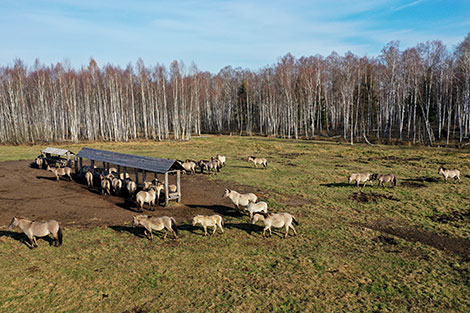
[[189, 228], [129, 206], [422, 179], [243, 166], [336, 185], [136, 231], [47, 178], [220, 209], [21, 237], [246, 227]]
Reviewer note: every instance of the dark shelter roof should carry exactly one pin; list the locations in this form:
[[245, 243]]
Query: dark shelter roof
[[156, 165]]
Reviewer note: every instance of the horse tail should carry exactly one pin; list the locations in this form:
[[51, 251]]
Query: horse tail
[[60, 235], [295, 221], [173, 225], [394, 181]]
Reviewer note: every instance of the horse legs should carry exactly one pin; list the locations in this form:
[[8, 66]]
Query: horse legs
[[215, 228], [287, 232], [221, 229], [295, 233], [205, 230]]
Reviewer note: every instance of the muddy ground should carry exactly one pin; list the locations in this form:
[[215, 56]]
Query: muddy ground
[[35, 194]]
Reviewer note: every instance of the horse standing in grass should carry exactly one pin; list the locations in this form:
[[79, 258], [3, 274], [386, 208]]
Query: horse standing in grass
[[384, 178], [257, 161], [38, 229], [455, 174], [360, 178], [222, 159], [277, 220], [151, 223], [257, 207], [239, 199], [61, 171], [212, 221]]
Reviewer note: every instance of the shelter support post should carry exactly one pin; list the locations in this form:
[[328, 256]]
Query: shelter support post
[[167, 194], [178, 185]]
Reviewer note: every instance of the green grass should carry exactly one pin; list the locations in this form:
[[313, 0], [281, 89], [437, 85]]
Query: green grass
[[336, 263]]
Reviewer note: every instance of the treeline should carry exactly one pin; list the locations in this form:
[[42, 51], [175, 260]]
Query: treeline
[[421, 94]]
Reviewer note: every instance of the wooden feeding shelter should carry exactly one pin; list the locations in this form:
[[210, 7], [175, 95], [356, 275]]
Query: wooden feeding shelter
[[57, 155], [142, 164]]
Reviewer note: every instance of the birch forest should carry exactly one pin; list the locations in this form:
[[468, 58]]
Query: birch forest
[[419, 95]]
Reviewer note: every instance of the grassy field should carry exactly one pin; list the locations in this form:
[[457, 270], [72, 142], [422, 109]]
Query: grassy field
[[402, 249]]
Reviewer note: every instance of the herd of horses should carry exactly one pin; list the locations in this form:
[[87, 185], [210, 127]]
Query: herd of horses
[[151, 190], [366, 177], [110, 181]]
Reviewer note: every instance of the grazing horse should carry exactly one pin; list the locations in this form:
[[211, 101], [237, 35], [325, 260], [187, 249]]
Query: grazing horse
[[455, 174], [189, 166], [151, 223], [61, 171], [277, 220], [105, 185], [239, 199], [360, 178], [384, 178], [131, 188], [38, 229], [212, 220], [146, 197], [257, 207], [257, 161], [89, 178]]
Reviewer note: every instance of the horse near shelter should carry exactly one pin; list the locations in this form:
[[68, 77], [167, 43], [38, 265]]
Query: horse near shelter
[[140, 164]]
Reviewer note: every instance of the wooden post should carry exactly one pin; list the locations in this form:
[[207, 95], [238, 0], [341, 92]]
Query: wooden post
[[136, 176], [92, 163], [144, 176], [124, 171], [119, 171], [178, 176], [167, 194], [81, 162]]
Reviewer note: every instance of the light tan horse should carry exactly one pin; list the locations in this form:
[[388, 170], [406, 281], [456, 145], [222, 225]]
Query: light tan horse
[[117, 185], [455, 174], [124, 177], [62, 171], [112, 170], [222, 159], [360, 178], [277, 220], [209, 221], [89, 179], [39, 161], [38, 229], [131, 188], [257, 207], [257, 161], [239, 199], [105, 185], [384, 178], [146, 197], [189, 166], [151, 223]]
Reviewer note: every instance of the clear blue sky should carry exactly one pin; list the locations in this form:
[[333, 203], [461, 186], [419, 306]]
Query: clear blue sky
[[213, 34]]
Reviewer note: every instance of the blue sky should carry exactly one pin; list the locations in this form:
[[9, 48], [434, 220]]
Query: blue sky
[[213, 34]]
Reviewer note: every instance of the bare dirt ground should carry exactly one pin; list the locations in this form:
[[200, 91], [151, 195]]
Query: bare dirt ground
[[35, 194]]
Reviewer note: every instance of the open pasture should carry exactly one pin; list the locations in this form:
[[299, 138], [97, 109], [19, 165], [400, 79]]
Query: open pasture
[[378, 249]]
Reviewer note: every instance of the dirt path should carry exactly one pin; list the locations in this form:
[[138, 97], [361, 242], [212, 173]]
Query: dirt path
[[35, 194]]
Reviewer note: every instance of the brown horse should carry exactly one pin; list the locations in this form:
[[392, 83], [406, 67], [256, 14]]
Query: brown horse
[[61, 171]]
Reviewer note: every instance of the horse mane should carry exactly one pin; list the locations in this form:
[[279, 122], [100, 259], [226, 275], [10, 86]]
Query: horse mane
[[265, 215]]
